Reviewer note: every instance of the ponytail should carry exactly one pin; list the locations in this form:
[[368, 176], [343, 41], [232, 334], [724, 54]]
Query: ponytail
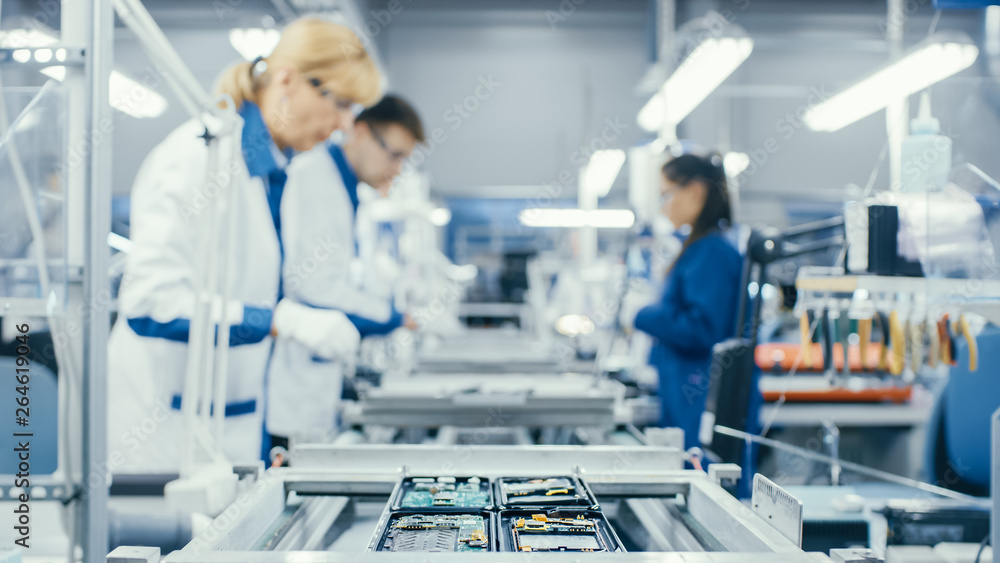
[[328, 52], [238, 82]]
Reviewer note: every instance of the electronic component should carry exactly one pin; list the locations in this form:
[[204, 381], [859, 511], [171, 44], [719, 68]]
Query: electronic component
[[444, 492], [437, 533], [548, 491], [571, 530]]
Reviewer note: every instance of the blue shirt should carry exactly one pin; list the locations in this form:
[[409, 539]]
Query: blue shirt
[[696, 311], [365, 326], [258, 150]]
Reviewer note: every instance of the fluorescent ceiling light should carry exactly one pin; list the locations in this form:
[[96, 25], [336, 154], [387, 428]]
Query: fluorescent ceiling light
[[125, 95], [602, 169], [440, 216], [708, 66], [254, 42], [575, 218], [928, 63]]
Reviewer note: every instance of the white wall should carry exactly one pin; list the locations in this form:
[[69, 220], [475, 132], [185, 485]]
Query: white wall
[[206, 52], [557, 88]]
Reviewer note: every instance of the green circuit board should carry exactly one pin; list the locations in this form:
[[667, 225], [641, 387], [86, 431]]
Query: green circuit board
[[437, 533], [429, 493], [540, 533]]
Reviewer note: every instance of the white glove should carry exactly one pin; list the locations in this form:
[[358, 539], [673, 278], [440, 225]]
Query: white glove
[[326, 333], [635, 299]]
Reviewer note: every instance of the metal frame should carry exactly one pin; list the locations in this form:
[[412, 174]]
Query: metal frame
[[88, 23], [489, 401], [652, 474]]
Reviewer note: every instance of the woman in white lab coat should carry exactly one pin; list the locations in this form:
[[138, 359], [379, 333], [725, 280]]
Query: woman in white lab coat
[[322, 267], [289, 102]]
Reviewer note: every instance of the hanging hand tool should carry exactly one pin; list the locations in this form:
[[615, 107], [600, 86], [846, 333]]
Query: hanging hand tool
[[805, 321], [947, 345], [970, 339], [883, 356], [864, 341], [898, 337]]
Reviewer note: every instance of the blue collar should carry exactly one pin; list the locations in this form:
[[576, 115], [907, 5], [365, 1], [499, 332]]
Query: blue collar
[[257, 142], [346, 174]]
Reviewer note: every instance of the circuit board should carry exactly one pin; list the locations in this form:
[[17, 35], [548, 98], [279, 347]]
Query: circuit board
[[550, 491], [447, 492], [438, 533], [540, 533]]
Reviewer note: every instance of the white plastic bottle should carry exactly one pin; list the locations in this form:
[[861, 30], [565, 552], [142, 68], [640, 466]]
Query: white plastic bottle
[[926, 155]]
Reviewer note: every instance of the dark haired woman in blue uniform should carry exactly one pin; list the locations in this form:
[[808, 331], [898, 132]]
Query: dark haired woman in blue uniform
[[701, 292]]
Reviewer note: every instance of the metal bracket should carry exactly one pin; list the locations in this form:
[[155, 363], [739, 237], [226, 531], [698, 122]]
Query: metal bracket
[[49, 55], [855, 555], [719, 472], [134, 555], [778, 507], [48, 490]]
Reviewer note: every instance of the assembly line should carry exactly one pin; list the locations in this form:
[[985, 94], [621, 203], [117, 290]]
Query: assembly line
[[374, 281]]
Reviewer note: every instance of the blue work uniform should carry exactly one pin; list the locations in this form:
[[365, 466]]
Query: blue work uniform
[[696, 311]]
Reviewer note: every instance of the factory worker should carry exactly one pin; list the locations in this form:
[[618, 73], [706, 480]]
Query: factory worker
[[288, 102], [697, 308], [321, 265]]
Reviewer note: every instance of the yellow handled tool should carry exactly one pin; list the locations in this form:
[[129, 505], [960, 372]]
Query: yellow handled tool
[[934, 353], [970, 339], [807, 355], [864, 340], [898, 337]]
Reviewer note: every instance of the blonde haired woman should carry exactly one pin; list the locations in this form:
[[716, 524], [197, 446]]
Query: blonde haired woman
[[288, 102]]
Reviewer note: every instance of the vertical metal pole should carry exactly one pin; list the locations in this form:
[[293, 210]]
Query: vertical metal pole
[[666, 13], [587, 201], [995, 480], [97, 207], [897, 113]]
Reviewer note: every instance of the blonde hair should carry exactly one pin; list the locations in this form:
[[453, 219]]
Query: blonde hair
[[319, 49]]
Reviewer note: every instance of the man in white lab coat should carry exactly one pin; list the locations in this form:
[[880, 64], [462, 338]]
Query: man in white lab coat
[[322, 268]]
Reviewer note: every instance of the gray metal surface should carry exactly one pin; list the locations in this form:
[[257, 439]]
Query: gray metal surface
[[598, 462], [247, 520], [134, 555], [732, 523], [95, 27], [699, 514], [778, 508], [490, 401], [995, 478], [649, 523], [316, 525], [314, 557]]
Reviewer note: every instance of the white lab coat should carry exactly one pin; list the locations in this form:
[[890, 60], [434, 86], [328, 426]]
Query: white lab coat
[[145, 373], [321, 270]]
